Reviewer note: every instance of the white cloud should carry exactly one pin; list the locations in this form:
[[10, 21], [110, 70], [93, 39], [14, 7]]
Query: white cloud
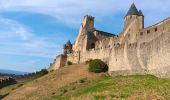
[[17, 39], [10, 28], [72, 11], [69, 12]]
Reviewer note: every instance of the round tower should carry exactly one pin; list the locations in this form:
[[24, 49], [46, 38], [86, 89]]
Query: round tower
[[133, 23], [67, 48]]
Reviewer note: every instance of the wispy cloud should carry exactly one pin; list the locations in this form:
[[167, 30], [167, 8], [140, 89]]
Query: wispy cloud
[[71, 11], [10, 28], [17, 39]]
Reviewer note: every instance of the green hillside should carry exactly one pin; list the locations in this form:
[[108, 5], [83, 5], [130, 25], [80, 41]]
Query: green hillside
[[76, 83], [134, 87]]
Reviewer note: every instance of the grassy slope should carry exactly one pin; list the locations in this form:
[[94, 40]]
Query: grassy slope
[[134, 87], [76, 83], [8, 89], [53, 83]]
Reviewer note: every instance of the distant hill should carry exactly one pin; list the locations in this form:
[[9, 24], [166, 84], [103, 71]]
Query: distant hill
[[5, 71]]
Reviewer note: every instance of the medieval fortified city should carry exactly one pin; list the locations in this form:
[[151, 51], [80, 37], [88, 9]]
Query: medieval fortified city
[[135, 50], [132, 64]]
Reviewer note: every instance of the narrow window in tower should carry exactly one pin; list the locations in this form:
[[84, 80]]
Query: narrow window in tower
[[92, 46], [130, 17], [141, 33], [156, 29], [148, 31], [128, 35]]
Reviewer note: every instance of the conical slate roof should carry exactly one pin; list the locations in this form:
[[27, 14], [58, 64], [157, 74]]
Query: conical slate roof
[[68, 42], [133, 10], [140, 13]]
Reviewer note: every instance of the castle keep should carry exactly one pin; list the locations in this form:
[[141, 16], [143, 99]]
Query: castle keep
[[135, 50]]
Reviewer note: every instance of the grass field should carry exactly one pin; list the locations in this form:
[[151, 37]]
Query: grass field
[[76, 83], [134, 87]]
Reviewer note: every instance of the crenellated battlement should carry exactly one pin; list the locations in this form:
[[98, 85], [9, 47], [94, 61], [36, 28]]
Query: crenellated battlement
[[89, 17], [154, 31]]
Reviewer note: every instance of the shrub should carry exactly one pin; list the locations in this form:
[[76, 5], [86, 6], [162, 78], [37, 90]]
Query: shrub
[[53, 93], [64, 91], [51, 70], [81, 81], [69, 63], [36, 81], [20, 85], [13, 88], [97, 66], [88, 61], [73, 88], [42, 72]]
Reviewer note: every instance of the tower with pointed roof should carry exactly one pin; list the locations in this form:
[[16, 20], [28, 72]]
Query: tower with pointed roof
[[133, 23], [67, 48]]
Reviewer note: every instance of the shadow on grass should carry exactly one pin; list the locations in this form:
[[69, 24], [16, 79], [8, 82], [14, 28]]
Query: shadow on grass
[[3, 96]]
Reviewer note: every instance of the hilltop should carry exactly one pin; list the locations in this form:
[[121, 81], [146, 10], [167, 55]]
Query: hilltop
[[76, 83], [48, 85]]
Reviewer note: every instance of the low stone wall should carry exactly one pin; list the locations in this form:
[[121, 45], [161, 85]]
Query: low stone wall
[[60, 61]]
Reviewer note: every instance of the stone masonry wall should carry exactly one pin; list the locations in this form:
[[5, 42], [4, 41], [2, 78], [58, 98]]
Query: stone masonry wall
[[151, 52], [60, 61]]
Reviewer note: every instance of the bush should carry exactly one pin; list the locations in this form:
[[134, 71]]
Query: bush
[[42, 72], [97, 66], [20, 85], [82, 80], [88, 61], [64, 91], [73, 88], [69, 63], [51, 70]]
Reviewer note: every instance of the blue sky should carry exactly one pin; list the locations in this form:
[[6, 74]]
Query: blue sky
[[32, 32]]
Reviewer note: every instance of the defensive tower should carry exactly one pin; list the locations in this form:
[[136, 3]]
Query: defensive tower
[[133, 23]]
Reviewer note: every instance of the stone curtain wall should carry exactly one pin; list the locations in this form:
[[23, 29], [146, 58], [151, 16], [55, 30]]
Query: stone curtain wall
[[150, 33], [158, 62], [151, 54]]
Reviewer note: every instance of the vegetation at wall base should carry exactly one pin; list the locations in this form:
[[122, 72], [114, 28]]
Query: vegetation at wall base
[[69, 63], [42, 72], [97, 66], [7, 82], [88, 61]]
